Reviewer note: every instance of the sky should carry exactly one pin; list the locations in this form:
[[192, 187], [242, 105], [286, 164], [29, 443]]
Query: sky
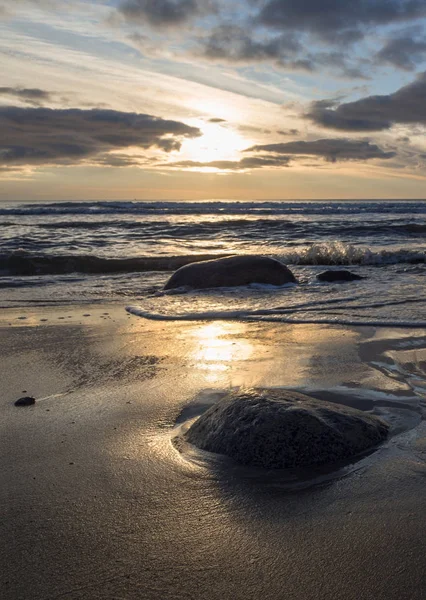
[[193, 99]]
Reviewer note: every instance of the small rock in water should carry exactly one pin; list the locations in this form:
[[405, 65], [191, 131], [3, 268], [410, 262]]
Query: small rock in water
[[25, 401], [339, 275], [279, 429]]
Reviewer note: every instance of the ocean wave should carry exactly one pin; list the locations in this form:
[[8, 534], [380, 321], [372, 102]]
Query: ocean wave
[[245, 227], [337, 253], [24, 262], [215, 207]]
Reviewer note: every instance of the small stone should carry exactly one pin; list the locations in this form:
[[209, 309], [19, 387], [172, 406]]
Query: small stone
[[25, 401], [338, 276]]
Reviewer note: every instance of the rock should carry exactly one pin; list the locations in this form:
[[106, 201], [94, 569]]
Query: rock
[[277, 429], [230, 272], [341, 275], [25, 401]]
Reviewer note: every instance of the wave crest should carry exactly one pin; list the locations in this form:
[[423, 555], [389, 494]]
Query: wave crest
[[338, 253]]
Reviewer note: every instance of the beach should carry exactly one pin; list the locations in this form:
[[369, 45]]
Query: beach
[[99, 503]]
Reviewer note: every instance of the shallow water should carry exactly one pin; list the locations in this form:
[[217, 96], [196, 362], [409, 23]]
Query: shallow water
[[76, 252]]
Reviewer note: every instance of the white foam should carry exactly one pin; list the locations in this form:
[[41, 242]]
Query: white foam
[[200, 316], [273, 315]]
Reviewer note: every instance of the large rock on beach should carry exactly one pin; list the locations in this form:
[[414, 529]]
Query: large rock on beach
[[278, 429], [338, 275], [231, 272]]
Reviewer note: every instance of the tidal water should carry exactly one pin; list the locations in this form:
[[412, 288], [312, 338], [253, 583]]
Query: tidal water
[[124, 252]]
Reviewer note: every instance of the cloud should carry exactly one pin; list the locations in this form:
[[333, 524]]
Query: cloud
[[238, 45], [163, 13], [280, 155], [249, 162], [288, 132], [38, 136], [338, 20], [403, 52], [235, 44], [217, 120], [331, 150], [33, 96], [374, 113]]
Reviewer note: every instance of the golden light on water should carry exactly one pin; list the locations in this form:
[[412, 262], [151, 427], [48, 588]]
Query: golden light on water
[[215, 348]]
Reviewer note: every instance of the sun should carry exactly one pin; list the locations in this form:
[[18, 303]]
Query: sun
[[218, 142]]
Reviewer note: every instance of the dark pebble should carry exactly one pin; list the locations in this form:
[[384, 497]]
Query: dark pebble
[[25, 401], [338, 276]]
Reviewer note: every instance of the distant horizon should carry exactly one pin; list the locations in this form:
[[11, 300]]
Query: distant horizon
[[212, 200]]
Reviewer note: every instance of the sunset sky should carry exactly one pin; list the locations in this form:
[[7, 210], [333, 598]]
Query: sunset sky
[[193, 99]]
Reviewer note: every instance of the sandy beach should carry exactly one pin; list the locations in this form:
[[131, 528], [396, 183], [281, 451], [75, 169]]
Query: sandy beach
[[97, 503]]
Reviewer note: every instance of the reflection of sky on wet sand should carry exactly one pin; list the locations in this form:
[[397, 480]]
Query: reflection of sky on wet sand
[[226, 354], [249, 354], [215, 349]]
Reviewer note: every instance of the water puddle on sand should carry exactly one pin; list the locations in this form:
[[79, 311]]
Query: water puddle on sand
[[294, 479], [401, 359]]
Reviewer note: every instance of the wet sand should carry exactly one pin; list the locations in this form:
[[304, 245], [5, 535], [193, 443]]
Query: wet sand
[[97, 503]]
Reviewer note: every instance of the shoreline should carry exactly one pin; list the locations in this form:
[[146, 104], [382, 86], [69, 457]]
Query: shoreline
[[97, 503]]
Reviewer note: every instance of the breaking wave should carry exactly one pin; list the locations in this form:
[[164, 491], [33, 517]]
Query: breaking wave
[[337, 253]]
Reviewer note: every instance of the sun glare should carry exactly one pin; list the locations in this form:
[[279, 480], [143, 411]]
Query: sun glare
[[218, 142]]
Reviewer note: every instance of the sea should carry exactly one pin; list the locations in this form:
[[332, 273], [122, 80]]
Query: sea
[[62, 253]]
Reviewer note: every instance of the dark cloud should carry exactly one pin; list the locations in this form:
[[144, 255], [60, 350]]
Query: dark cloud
[[33, 96], [163, 13], [331, 150], [338, 20], [403, 52], [235, 44], [374, 113], [339, 64], [249, 162], [217, 120], [34, 136]]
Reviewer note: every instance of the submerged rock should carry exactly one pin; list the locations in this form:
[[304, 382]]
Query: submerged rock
[[278, 429], [230, 272], [339, 275], [25, 401]]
